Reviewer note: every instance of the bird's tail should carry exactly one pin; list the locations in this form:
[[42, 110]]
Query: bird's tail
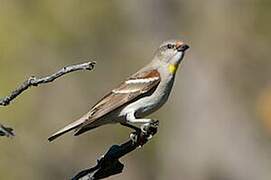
[[81, 130], [67, 128], [92, 124]]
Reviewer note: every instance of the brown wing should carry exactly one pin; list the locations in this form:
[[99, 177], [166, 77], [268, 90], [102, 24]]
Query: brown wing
[[137, 85]]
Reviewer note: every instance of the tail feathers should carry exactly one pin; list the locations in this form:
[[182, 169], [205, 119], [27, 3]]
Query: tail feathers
[[66, 129], [84, 129], [90, 125]]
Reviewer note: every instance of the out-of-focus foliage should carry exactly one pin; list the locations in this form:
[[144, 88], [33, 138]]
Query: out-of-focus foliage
[[216, 124], [264, 107]]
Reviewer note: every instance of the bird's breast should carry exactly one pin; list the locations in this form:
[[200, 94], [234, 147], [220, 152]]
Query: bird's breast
[[150, 104]]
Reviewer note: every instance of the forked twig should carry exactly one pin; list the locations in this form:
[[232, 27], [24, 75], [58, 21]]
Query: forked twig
[[33, 81]]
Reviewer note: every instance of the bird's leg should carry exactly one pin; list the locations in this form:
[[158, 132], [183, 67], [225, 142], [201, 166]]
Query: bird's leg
[[137, 129], [132, 119], [133, 135], [146, 123]]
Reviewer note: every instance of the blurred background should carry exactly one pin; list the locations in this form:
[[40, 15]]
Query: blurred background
[[216, 125]]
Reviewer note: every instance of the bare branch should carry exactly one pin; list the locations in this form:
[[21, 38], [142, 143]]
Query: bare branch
[[109, 163], [6, 131], [33, 81]]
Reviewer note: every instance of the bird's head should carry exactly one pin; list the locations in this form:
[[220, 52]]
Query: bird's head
[[171, 52]]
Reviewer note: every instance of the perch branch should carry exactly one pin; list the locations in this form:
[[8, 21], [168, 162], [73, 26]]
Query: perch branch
[[109, 163], [33, 81]]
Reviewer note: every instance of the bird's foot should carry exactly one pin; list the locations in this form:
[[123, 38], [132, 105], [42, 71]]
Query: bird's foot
[[149, 127], [153, 124], [145, 133], [134, 137]]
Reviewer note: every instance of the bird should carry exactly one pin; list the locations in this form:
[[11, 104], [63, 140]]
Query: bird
[[138, 96]]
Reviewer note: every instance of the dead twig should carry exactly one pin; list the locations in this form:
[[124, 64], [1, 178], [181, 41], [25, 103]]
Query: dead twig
[[6, 131], [33, 81], [109, 163]]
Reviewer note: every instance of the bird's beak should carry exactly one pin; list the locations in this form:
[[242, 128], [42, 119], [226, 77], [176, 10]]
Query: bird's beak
[[182, 47]]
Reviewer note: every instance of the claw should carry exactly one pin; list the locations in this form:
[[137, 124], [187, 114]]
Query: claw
[[149, 137], [144, 128], [133, 137], [154, 123]]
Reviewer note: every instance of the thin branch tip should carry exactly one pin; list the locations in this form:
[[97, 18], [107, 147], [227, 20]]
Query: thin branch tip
[[34, 81], [6, 131]]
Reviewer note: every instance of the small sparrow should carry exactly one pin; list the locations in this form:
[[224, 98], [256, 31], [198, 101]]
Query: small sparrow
[[138, 96]]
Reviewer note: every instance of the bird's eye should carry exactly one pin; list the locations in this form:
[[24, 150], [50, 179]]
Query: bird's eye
[[170, 46]]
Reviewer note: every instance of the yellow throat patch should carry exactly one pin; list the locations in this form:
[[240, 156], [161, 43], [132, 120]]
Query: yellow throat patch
[[172, 68]]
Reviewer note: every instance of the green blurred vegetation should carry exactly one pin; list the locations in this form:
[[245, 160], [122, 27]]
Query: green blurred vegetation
[[216, 124]]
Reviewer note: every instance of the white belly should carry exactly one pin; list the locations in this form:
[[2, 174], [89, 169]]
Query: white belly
[[149, 104]]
